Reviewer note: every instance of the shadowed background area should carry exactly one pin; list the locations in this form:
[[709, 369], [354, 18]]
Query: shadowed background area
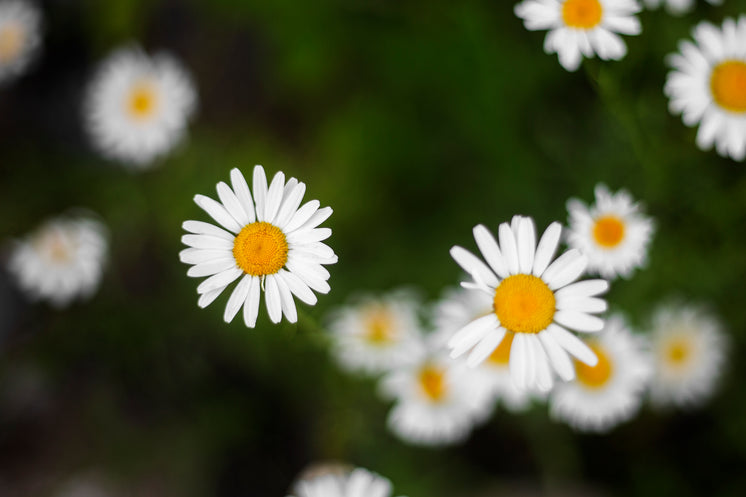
[[414, 121]]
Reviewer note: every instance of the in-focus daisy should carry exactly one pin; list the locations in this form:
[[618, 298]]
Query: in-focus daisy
[[613, 233], [456, 309], [266, 241], [689, 350], [677, 7], [20, 37], [376, 333], [62, 260], [358, 483], [581, 28], [533, 299], [610, 392], [438, 400], [708, 86], [137, 107]]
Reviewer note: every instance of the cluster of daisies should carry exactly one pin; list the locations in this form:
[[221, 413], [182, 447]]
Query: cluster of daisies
[[707, 83], [136, 109], [507, 335]]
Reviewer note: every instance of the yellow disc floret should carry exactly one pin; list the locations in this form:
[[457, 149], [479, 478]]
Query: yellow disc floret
[[142, 101], [432, 381], [11, 42], [501, 355], [582, 14], [678, 352], [524, 304], [728, 85], [260, 249], [595, 376], [608, 231], [379, 326]]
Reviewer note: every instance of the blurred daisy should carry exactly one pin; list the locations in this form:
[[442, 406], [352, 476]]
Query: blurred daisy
[[358, 483], [689, 350], [137, 107], [438, 401], [533, 299], [375, 334], [62, 260], [20, 37], [708, 86], [456, 309], [266, 242], [581, 28], [613, 233], [677, 7], [611, 392]]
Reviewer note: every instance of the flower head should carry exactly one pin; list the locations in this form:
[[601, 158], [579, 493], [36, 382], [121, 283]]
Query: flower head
[[534, 299], [707, 86], [581, 28], [677, 7], [20, 37], [62, 260], [137, 107], [613, 233], [358, 483], [265, 240]]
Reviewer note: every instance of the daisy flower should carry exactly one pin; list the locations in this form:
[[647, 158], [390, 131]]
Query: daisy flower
[[708, 86], [20, 37], [456, 309], [137, 107], [677, 7], [611, 392], [533, 299], [581, 28], [613, 233], [438, 400], [376, 333], [689, 350], [358, 483], [266, 242], [62, 260]]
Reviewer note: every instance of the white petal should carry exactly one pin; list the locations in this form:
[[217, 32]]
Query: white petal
[[543, 373], [526, 245], [259, 185], [471, 334], [309, 236], [586, 288], [208, 298], [302, 215], [243, 193], [579, 321], [475, 267], [518, 360], [567, 268], [530, 354], [290, 205], [309, 277], [286, 300], [572, 344], [557, 356], [219, 280], [232, 204], [218, 213], [508, 247], [490, 251], [274, 196], [298, 288], [211, 267], [202, 228], [237, 298], [485, 347], [547, 246], [272, 299], [193, 255], [317, 218], [582, 304], [207, 242], [251, 306]]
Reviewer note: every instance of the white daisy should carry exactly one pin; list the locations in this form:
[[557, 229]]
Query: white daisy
[[533, 299], [62, 260], [266, 240], [581, 28], [613, 233], [611, 392], [376, 333], [708, 86], [438, 401], [456, 309], [358, 483], [689, 349], [677, 7], [20, 37], [138, 107]]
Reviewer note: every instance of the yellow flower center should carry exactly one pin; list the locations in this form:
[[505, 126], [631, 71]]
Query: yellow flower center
[[260, 249], [582, 14], [379, 326], [501, 355], [608, 231], [524, 304], [11, 41], [142, 101], [594, 376], [728, 85], [55, 247], [678, 352], [432, 382]]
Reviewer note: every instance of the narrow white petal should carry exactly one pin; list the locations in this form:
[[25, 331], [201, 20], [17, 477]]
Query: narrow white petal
[[490, 251], [475, 267], [526, 245], [274, 196], [309, 277], [557, 356], [290, 205], [251, 306], [208, 298], [232, 204], [301, 216], [547, 247], [471, 334], [309, 236], [286, 300], [317, 218], [509, 248], [218, 213], [193, 255], [579, 321], [202, 228], [586, 288], [237, 298], [572, 344], [582, 304], [530, 354], [219, 280], [543, 374], [272, 298], [567, 268], [207, 242], [298, 288], [517, 361], [259, 185], [211, 267], [243, 193], [485, 347]]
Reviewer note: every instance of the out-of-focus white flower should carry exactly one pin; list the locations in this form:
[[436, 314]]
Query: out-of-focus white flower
[[267, 241], [613, 233], [62, 260], [581, 28], [603, 396], [20, 37], [689, 349], [358, 483], [677, 7], [137, 107]]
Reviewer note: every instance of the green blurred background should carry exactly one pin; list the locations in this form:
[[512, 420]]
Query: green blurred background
[[414, 121]]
